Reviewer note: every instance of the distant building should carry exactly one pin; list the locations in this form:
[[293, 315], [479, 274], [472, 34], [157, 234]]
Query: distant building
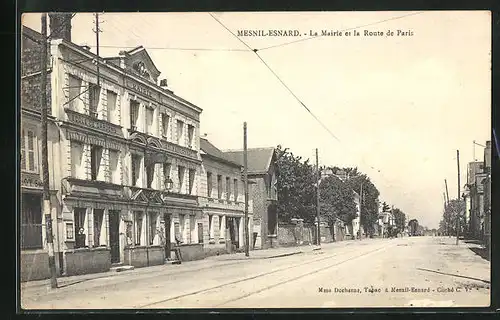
[[263, 192], [222, 199]]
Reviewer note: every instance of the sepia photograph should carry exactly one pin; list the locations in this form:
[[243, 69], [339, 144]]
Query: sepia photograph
[[254, 160]]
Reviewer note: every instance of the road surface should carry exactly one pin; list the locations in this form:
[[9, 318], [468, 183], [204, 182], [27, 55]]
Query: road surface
[[403, 272]]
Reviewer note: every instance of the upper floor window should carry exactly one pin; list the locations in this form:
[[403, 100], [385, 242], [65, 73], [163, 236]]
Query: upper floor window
[[113, 116], [136, 170], [29, 151], [180, 173], [190, 136], [209, 184], [192, 175], [114, 157], [150, 120], [180, 131], [235, 186], [228, 188], [74, 91], [165, 124], [134, 114], [77, 163], [150, 173], [219, 186], [95, 162], [94, 93]]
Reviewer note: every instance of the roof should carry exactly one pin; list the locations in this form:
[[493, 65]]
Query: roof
[[212, 151], [259, 159], [32, 34]]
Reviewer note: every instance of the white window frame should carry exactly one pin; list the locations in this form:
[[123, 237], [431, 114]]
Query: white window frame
[[25, 147]]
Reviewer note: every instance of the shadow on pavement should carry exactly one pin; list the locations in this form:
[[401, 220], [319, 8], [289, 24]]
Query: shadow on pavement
[[472, 241], [482, 252]]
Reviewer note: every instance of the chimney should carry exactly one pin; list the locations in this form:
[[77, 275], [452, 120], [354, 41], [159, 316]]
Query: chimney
[[60, 25]]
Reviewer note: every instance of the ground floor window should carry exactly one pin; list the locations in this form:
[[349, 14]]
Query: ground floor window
[[98, 227], [31, 221], [80, 215], [138, 221]]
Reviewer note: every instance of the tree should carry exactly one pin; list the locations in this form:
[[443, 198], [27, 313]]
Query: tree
[[296, 187], [448, 224], [337, 201], [400, 219]]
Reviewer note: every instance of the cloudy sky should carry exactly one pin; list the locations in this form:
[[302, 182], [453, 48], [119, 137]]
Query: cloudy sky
[[399, 106]]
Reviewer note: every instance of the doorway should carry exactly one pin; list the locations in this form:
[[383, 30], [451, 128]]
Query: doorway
[[231, 225], [114, 235]]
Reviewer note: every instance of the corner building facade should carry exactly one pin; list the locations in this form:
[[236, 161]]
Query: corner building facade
[[124, 162]]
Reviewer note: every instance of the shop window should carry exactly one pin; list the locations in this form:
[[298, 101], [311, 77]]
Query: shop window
[[209, 184], [95, 162], [77, 166], [210, 226], [190, 135], [200, 232], [153, 225], [138, 219], [177, 233], [219, 186], [80, 215], [31, 221], [192, 227], [112, 108], [182, 225], [180, 131], [180, 173], [114, 156], [29, 151], [150, 120], [228, 188], [98, 227], [192, 176], [74, 93], [134, 115], [165, 122], [94, 94]]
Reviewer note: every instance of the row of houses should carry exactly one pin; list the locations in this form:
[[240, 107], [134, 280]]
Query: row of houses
[[130, 177], [478, 198]]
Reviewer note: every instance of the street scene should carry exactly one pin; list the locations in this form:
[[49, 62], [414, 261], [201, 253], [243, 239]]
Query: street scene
[[238, 165]]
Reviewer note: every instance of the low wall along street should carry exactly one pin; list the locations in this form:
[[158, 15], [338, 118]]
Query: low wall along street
[[34, 266], [190, 252], [142, 257], [83, 261]]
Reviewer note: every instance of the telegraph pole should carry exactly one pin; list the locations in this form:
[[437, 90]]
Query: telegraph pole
[[45, 157], [458, 194], [245, 173], [318, 177], [447, 196], [97, 43]]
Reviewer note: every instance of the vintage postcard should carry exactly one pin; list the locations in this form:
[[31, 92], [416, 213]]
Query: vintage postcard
[[255, 160]]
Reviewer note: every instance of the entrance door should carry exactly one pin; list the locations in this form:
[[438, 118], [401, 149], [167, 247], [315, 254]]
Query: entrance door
[[168, 245], [114, 235]]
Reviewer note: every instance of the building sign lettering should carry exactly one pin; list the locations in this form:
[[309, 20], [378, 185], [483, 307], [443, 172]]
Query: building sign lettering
[[31, 180], [86, 121], [179, 150], [140, 89], [93, 140]]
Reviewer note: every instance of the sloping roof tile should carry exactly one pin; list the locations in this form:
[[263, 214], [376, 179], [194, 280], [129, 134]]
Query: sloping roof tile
[[211, 150], [259, 159]]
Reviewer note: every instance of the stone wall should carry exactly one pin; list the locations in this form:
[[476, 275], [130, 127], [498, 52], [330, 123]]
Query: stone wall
[[192, 252], [84, 261], [34, 265], [143, 257]]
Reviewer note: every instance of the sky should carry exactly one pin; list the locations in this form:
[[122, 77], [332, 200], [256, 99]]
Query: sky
[[396, 107]]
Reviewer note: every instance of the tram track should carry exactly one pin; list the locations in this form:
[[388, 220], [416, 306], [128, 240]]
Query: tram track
[[231, 284]]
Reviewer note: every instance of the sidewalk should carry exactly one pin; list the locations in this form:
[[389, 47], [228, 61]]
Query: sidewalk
[[189, 266]]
